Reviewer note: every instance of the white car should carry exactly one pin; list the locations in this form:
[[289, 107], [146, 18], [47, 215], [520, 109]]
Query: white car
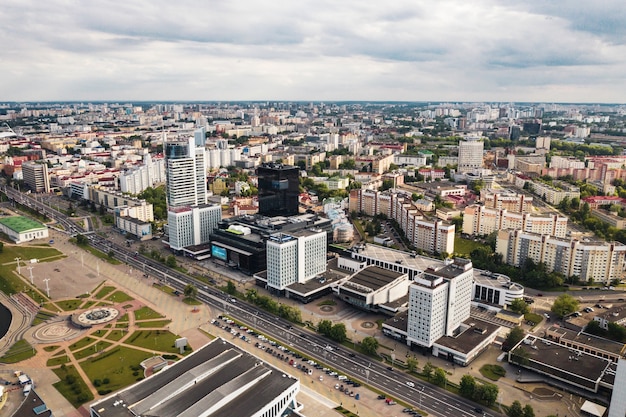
[[410, 384]]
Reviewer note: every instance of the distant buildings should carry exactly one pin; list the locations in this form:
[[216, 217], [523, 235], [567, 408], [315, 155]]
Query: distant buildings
[[480, 221], [136, 179]]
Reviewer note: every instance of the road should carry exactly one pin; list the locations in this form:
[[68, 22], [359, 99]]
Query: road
[[425, 396]]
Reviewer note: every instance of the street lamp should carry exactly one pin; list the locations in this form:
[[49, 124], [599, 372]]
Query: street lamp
[[30, 270], [46, 280], [421, 391], [17, 260]]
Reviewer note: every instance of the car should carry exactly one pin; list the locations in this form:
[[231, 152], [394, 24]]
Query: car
[[410, 384], [381, 396], [389, 368], [478, 410], [352, 355], [539, 295]]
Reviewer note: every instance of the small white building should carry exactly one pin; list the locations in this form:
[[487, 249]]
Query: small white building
[[23, 229]]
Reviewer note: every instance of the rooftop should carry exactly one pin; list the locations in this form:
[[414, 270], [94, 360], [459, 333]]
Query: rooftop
[[477, 331], [21, 224], [374, 278], [232, 383]]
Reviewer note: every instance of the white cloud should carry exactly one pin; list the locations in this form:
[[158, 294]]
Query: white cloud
[[306, 50]]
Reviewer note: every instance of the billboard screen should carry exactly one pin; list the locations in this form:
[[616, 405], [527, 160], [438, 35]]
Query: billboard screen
[[218, 252]]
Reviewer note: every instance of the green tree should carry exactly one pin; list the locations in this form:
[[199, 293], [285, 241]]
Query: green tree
[[111, 254], [519, 306], [489, 394], [528, 411], [439, 377], [1, 247], [564, 305], [190, 291], [411, 364], [170, 261], [428, 370], [231, 288], [324, 327], [515, 410], [467, 386], [370, 345], [82, 240], [339, 333], [513, 338], [519, 356]]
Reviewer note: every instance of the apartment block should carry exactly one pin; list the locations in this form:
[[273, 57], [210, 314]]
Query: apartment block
[[506, 200], [597, 261], [554, 194], [470, 155], [479, 220]]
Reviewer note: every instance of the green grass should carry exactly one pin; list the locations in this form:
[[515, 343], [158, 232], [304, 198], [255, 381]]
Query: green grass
[[42, 316], [123, 318], [91, 350], [327, 303], [119, 297], [98, 254], [116, 365], [115, 335], [69, 305], [51, 348], [157, 340], [85, 341], [533, 317], [146, 313], [153, 324], [492, 372], [104, 291], [191, 301], [20, 351], [74, 389], [57, 360], [88, 304], [466, 246]]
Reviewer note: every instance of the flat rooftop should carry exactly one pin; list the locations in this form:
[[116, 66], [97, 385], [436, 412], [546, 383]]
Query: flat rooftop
[[565, 363], [590, 340], [476, 332], [218, 377], [374, 278], [20, 224], [332, 275]]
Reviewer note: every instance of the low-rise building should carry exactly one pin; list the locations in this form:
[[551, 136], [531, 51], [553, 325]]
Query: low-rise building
[[22, 229]]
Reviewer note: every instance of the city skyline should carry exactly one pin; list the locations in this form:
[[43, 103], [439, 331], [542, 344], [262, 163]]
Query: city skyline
[[487, 50]]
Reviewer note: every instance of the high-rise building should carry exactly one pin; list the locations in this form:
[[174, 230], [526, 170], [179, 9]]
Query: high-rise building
[[439, 301], [36, 176], [295, 258], [470, 155], [185, 167], [279, 188], [190, 219]]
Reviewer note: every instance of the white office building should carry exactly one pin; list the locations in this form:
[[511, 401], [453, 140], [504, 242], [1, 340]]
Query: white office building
[[185, 165], [36, 176], [439, 302], [188, 226], [295, 258], [470, 155]]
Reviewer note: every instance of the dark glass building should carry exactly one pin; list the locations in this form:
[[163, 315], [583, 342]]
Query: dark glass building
[[279, 188]]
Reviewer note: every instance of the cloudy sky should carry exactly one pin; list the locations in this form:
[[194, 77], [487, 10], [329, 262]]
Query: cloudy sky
[[415, 50]]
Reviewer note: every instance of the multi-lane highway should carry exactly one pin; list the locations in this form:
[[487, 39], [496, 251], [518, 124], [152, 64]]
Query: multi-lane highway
[[394, 383]]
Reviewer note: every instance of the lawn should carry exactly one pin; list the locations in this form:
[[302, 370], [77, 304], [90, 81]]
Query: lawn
[[115, 335], [69, 305], [20, 351], [57, 360], [104, 292], [466, 246], [492, 372], [85, 341], [99, 254], [146, 313], [9, 282], [72, 386], [119, 365], [119, 297], [42, 316], [98, 347], [157, 340], [155, 324]]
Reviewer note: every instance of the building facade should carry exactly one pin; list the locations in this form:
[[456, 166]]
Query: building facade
[[36, 177], [479, 221], [470, 155], [192, 225], [279, 188]]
